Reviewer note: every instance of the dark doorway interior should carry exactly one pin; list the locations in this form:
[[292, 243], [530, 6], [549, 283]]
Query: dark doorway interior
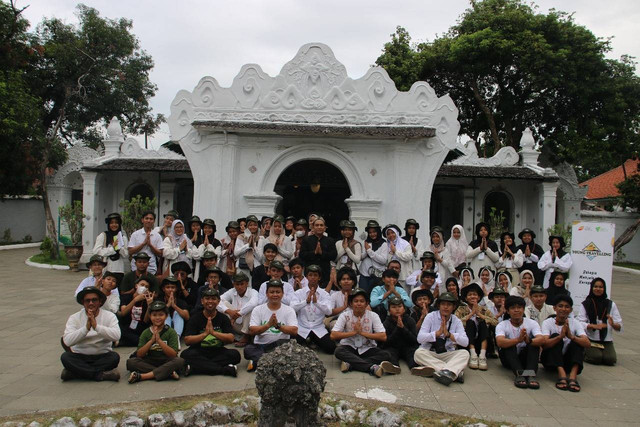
[[184, 198], [314, 186], [446, 208]]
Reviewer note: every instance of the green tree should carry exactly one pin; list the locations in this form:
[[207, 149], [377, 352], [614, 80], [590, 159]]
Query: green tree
[[630, 198], [67, 80], [508, 68]]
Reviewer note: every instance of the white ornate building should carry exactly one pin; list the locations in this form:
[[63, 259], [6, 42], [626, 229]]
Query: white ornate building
[[314, 139]]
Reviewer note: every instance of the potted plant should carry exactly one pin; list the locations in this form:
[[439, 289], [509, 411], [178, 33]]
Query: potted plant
[[73, 216]]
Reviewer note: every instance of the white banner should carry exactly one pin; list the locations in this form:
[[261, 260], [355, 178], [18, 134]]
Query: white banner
[[592, 255]]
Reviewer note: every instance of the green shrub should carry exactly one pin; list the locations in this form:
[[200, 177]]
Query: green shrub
[[132, 210]]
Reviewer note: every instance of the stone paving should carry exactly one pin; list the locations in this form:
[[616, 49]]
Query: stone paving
[[36, 303]]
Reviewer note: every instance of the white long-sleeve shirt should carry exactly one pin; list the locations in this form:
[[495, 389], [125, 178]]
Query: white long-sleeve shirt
[[106, 250], [370, 323], [311, 315], [478, 259], [509, 263], [594, 335], [344, 255], [561, 264], [244, 304], [94, 341], [376, 259], [431, 324], [286, 248], [137, 237], [172, 253]]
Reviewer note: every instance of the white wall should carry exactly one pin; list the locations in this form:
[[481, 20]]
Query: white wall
[[622, 220], [23, 216]]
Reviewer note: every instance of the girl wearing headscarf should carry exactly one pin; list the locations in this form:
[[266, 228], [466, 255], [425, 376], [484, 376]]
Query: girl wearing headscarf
[[556, 287], [399, 250], [246, 250], [523, 288], [374, 257], [482, 252], [457, 246], [511, 258], [349, 249], [112, 245], [555, 259], [278, 237], [600, 317], [439, 249], [465, 277], [209, 244], [177, 246], [411, 227], [531, 252], [486, 281]]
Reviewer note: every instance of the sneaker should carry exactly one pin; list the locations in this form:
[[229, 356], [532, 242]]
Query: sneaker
[[134, 377], [187, 370], [460, 378], [390, 368], [175, 376], [112, 375], [444, 377], [422, 371], [250, 366], [473, 361], [66, 375], [482, 364], [231, 370], [376, 370], [345, 367]]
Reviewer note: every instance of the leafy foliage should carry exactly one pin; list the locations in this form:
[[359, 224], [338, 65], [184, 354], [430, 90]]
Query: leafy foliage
[[630, 192], [507, 67], [132, 211], [496, 222], [73, 216], [561, 230]]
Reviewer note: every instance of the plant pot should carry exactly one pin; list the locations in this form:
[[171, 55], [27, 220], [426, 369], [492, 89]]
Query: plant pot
[[73, 256]]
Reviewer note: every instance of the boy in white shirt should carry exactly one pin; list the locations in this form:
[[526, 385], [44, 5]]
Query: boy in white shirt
[[519, 340], [312, 305], [276, 271], [565, 344], [271, 324], [237, 304], [538, 310]]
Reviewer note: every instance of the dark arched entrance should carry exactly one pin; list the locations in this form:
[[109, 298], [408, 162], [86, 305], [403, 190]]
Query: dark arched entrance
[[314, 186]]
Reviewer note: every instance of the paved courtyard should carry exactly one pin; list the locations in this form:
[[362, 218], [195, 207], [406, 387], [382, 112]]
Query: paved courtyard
[[36, 303]]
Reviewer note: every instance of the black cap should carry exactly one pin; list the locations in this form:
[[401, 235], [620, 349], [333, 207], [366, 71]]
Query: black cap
[[358, 291], [275, 283], [172, 213], [276, 264], [560, 238], [497, 290], [90, 290], [209, 255], [232, 224], [372, 223], [313, 268], [447, 296], [419, 292], [115, 216], [427, 254], [394, 300], [210, 292], [278, 218], [429, 272], [472, 287], [252, 218], [240, 277], [96, 258], [526, 231], [213, 269], [180, 266], [348, 224], [303, 222], [158, 306], [170, 281], [411, 221], [195, 218], [142, 255], [537, 289], [210, 222]]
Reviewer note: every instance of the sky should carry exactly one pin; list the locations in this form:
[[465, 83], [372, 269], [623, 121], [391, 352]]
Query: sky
[[191, 39]]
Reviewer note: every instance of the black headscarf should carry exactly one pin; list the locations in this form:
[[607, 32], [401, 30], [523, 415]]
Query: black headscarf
[[598, 307], [561, 251], [533, 247], [478, 240], [553, 291], [512, 246], [111, 234], [375, 244]]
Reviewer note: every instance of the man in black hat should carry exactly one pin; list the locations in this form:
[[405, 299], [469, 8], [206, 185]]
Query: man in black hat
[[532, 253], [319, 249], [209, 261], [228, 258], [272, 324], [89, 334], [96, 266], [141, 261], [428, 260], [146, 240], [276, 272], [206, 334], [439, 335], [214, 279]]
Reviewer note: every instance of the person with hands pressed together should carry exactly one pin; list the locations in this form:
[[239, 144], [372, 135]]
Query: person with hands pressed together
[[261, 274], [146, 240], [246, 248], [554, 260], [511, 258], [565, 344], [402, 337], [237, 304], [531, 252], [476, 320], [213, 277], [96, 266], [346, 279], [399, 250], [600, 317], [381, 294], [206, 335], [276, 271], [482, 251], [422, 300], [177, 308], [375, 255], [519, 341], [297, 279], [187, 287], [272, 324], [133, 313], [358, 329], [444, 265], [157, 354], [349, 250], [89, 335], [312, 305], [112, 246], [438, 337], [428, 260], [411, 227], [538, 310], [319, 249]]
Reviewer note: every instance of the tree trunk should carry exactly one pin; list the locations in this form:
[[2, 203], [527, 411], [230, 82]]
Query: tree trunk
[[487, 112], [51, 225], [627, 236]]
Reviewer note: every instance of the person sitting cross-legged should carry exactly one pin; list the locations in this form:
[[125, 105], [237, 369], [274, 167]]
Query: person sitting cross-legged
[[565, 344], [312, 304], [276, 272], [272, 324], [441, 331], [422, 305], [157, 354], [358, 329], [89, 335], [402, 337], [538, 310], [519, 340], [238, 303], [206, 334]]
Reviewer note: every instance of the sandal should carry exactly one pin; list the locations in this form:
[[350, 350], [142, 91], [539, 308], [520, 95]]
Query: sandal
[[574, 386], [562, 383], [520, 382], [533, 383], [134, 377]]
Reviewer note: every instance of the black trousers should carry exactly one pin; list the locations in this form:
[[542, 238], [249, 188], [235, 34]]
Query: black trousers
[[491, 340], [381, 312], [552, 358], [255, 351], [361, 362], [325, 343], [526, 359], [129, 337], [89, 366], [161, 368], [210, 362], [404, 353], [476, 333]]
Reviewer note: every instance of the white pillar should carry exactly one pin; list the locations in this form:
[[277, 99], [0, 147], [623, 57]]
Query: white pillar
[[361, 211], [547, 211], [90, 209], [262, 205], [468, 221]]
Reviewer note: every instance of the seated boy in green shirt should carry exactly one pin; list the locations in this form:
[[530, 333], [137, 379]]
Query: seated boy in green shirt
[[157, 354]]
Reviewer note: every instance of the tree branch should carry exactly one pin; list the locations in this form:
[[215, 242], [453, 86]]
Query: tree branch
[[487, 112]]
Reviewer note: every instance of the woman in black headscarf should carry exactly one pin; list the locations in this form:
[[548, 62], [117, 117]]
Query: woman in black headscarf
[[532, 253], [556, 286], [600, 317], [482, 251], [111, 245]]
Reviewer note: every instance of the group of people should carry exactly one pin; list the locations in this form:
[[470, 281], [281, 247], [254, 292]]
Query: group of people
[[440, 307]]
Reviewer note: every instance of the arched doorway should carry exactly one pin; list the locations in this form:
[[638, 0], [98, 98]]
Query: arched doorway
[[314, 186], [502, 202]]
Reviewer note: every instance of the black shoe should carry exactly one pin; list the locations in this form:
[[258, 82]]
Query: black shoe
[[231, 371], [134, 377], [444, 377], [66, 375], [460, 378], [112, 375], [187, 370]]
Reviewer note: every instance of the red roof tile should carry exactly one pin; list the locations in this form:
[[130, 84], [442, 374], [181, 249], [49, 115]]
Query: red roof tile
[[604, 186]]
